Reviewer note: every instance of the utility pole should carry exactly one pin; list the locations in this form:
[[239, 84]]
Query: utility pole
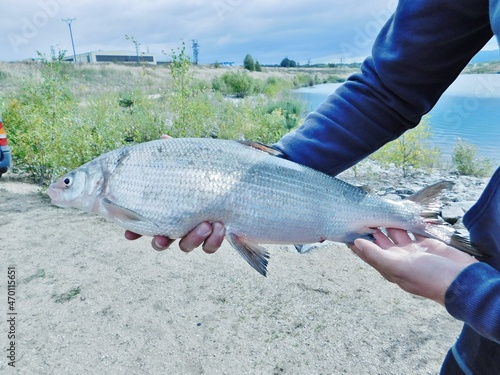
[[196, 47], [68, 21]]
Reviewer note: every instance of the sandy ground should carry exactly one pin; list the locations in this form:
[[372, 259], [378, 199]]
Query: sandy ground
[[90, 302]]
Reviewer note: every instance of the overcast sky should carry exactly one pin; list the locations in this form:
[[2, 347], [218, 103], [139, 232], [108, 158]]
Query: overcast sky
[[226, 30]]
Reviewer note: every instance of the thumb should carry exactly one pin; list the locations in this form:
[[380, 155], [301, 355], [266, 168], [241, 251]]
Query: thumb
[[360, 247], [369, 252]]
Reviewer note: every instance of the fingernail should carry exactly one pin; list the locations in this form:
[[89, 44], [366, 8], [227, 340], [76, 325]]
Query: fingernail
[[203, 230], [218, 229], [157, 246], [358, 246]]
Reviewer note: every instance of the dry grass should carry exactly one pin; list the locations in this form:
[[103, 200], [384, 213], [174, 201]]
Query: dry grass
[[86, 79]]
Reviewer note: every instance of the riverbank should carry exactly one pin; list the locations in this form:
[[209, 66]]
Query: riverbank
[[389, 183], [89, 301]]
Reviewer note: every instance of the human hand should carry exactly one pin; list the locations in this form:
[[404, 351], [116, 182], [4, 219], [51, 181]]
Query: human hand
[[425, 267], [210, 235]]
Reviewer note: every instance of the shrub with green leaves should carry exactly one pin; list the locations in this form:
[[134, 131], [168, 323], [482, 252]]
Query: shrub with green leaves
[[465, 159], [236, 84], [51, 133], [410, 150], [291, 109]]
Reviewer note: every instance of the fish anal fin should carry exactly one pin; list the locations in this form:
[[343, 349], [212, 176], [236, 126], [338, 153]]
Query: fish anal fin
[[256, 255], [262, 147], [123, 214]]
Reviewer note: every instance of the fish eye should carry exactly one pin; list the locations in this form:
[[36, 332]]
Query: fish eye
[[68, 181]]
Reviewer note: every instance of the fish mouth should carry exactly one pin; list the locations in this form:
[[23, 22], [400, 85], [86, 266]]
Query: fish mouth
[[53, 193]]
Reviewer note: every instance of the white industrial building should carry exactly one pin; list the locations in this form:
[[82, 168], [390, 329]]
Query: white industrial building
[[113, 57]]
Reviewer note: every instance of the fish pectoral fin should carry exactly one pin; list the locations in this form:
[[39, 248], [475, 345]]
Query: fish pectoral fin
[[253, 253], [124, 214]]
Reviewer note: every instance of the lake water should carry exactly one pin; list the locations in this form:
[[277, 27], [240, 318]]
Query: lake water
[[469, 109]]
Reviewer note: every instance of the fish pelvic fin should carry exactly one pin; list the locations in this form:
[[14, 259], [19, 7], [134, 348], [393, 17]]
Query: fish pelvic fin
[[256, 255]]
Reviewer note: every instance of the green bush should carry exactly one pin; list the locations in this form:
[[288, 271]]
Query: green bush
[[236, 84], [290, 109], [251, 119], [334, 79], [465, 159], [51, 133], [410, 150], [274, 85]]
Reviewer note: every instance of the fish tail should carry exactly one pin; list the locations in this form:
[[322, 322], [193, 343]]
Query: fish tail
[[449, 236]]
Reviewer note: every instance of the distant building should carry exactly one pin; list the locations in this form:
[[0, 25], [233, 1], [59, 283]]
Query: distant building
[[112, 56]]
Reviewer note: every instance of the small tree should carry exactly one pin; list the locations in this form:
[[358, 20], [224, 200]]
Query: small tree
[[136, 44], [258, 68], [248, 63], [287, 63], [465, 159], [410, 150]]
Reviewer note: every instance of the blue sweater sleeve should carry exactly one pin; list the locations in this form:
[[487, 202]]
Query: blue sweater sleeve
[[474, 298], [417, 55]]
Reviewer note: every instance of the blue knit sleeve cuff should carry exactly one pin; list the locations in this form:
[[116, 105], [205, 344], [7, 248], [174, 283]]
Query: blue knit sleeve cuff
[[474, 298]]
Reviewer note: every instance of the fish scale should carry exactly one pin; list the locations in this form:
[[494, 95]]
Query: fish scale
[[167, 187]]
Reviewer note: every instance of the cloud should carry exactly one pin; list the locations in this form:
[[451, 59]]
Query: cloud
[[226, 29]]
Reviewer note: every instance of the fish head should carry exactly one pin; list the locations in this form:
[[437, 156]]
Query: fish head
[[79, 188]]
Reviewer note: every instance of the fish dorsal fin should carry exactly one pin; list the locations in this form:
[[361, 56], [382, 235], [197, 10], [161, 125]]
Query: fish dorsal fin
[[262, 147], [253, 253], [430, 194], [428, 201], [124, 214]]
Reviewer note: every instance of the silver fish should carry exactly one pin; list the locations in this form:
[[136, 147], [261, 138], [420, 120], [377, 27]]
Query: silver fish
[[167, 187]]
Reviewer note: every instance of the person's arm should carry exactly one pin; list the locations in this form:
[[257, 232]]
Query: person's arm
[[419, 52], [474, 298]]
